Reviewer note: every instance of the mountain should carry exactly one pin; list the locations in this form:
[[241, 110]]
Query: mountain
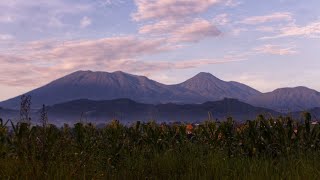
[[315, 113], [288, 99], [6, 114], [106, 86], [127, 110], [198, 89], [213, 88]]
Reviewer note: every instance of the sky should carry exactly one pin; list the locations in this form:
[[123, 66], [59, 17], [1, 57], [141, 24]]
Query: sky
[[264, 44]]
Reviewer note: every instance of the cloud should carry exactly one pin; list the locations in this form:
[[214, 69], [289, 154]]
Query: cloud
[[176, 20], [311, 30], [232, 3], [199, 29], [221, 19], [85, 21], [6, 37], [111, 2], [41, 16], [42, 61], [15, 71], [55, 22], [185, 31], [265, 28], [38, 62], [48, 6], [160, 27], [6, 19], [30, 75], [95, 51], [276, 50], [168, 9], [257, 80], [238, 31], [278, 16]]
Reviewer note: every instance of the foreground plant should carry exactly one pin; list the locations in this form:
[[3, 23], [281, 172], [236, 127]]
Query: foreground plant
[[145, 150]]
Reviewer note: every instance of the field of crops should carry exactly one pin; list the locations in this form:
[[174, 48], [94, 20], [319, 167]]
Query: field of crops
[[277, 148]]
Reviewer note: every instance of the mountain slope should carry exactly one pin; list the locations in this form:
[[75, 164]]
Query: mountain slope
[[6, 114], [198, 89], [213, 88], [127, 110], [104, 86], [288, 99]]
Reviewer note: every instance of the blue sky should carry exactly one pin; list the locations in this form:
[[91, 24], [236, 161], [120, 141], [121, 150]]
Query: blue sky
[[264, 44]]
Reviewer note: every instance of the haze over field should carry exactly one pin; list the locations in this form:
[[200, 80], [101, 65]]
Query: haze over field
[[263, 44]]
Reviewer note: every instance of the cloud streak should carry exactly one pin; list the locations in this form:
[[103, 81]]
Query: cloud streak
[[276, 50], [178, 32], [311, 30], [6, 37], [198, 30], [274, 17], [175, 20], [40, 16], [42, 61], [168, 9], [85, 21]]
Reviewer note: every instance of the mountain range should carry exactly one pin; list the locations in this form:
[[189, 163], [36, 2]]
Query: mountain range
[[287, 99], [199, 89], [127, 110]]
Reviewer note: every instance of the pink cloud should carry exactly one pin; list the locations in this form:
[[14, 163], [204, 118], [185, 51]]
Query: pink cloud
[[40, 62], [221, 19], [85, 21], [184, 31], [175, 20], [168, 9], [278, 16], [6, 37], [276, 50], [311, 30], [199, 29], [160, 27], [6, 19]]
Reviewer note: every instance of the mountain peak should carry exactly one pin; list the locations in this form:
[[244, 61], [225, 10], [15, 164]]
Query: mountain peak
[[298, 89], [120, 72], [213, 88], [201, 80], [289, 98], [205, 75]]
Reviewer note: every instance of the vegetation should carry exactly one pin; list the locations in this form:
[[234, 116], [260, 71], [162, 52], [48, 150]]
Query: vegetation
[[277, 148], [265, 148]]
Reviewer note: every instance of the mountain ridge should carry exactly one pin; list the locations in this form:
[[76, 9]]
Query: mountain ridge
[[104, 86], [200, 88], [214, 88], [129, 110], [288, 99]]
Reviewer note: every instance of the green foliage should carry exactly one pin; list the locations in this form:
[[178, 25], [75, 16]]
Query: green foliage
[[274, 148]]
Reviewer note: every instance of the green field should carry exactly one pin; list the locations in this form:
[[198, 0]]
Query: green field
[[265, 148]]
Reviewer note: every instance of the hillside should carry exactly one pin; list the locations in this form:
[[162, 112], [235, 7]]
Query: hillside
[[288, 99], [106, 86], [127, 110]]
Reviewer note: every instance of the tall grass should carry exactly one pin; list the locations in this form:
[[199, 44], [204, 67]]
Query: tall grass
[[274, 148]]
